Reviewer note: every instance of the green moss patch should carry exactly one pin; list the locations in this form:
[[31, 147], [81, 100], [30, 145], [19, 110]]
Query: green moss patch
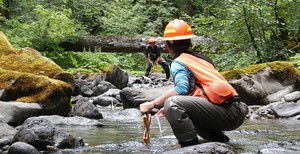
[[30, 61], [5, 46], [25, 60], [26, 87], [64, 76], [281, 69]]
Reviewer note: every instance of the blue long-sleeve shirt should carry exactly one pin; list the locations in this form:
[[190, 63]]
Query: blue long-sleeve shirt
[[184, 79]]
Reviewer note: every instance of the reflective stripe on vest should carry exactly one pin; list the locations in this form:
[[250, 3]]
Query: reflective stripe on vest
[[214, 86]]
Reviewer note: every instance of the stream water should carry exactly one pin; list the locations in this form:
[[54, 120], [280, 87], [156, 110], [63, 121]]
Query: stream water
[[123, 134]]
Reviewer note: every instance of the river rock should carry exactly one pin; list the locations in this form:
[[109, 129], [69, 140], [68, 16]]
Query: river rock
[[278, 95], [113, 92], [51, 94], [69, 78], [85, 108], [133, 97], [212, 147], [105, 101], [22, 148], [276, 150], [131, 114], [292, 97], [94, 86], [102, 87], [264, 83], [287, 109], [15, 113], [117, 77], [281, 147], [74, 121], [6, 133], [296, 117], [41, 133], [261, 111]]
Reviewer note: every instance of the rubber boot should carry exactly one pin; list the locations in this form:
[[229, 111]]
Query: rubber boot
[[189, 142], [218, 136]]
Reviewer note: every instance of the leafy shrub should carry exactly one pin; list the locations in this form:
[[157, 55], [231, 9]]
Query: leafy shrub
[[83, 61], [88, 62], [273, 51], [134, 63], [234, 59], [296, 60], [49, 28]]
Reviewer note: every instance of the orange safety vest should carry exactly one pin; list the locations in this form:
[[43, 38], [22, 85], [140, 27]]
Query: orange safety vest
[[211, 84]]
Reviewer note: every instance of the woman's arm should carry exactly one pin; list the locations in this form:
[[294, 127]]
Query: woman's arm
[[148, 106], [181, 79]]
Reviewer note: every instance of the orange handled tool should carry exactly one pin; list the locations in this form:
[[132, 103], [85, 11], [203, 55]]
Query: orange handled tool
[[147, 122], [155, 68]]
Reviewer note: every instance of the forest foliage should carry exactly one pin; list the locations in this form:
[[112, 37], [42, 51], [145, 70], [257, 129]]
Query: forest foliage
[[243, 32]]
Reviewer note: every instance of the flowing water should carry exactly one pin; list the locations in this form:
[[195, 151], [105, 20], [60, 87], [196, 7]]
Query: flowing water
[[123, 134]]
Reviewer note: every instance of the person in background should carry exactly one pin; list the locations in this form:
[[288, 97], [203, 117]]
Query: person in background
[[153, 57], [202, 102]]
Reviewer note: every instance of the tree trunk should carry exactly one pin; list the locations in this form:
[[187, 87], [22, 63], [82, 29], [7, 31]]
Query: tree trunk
[[249, 30]]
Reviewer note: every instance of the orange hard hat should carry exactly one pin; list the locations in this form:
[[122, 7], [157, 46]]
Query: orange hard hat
[[178, 30], [152, 40]]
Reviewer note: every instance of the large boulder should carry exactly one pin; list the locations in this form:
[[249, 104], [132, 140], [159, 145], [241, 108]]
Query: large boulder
[[25, 60], [264, 83], [52, 95], [117, 77], [30, 61], [41, 133]]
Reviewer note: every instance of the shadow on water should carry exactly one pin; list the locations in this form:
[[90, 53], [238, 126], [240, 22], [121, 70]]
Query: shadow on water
[[124, 135]]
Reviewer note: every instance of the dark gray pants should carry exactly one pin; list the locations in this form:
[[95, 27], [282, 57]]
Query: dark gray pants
[[164, 65], [190, 115]]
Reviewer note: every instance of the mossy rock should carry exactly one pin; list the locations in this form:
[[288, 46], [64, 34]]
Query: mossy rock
[[29, 60], [64, 76], [5, 46], [280, 69], [26, 60], [53, 95], [69, 78]]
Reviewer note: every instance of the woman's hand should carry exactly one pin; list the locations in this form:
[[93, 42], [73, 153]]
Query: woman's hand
[[146, 107], [161, 112]]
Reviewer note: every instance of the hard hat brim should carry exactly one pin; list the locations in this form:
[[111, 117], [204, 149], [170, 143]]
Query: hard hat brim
[[179, 37]]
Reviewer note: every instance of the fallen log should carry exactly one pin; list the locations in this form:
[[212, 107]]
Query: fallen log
[[107, 44], [114, 44]]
